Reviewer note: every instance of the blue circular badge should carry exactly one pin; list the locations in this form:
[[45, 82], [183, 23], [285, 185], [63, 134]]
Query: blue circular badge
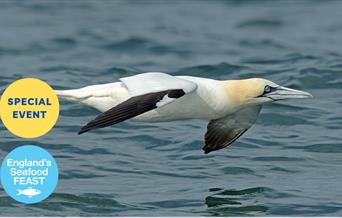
[[29, 174]]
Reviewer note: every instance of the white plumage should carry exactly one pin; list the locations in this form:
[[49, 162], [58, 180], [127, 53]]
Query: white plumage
[[204, 99]]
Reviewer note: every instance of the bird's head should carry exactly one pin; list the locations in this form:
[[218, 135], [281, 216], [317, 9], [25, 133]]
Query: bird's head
[[257, 91]]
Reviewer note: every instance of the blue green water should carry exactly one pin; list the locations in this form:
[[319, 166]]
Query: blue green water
[[289, 163]]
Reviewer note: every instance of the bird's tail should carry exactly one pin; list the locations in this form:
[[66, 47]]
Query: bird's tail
[[81, 94], [102, 96], [75, 95]]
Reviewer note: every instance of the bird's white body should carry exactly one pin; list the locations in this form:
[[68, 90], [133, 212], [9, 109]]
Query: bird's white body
[[231, 106], [208, 101]]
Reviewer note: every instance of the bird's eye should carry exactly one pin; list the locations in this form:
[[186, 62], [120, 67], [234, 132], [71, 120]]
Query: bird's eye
[[267, 89]]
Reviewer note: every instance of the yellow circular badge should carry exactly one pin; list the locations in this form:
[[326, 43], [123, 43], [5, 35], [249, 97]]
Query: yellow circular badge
[[29, 108]]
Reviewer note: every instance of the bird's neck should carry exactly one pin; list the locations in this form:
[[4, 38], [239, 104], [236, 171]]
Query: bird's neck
[[239, 92]]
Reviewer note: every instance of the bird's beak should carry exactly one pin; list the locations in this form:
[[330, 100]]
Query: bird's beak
[[286, 93]]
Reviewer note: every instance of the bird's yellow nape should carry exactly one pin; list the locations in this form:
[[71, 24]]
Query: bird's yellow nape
[[243, 92]]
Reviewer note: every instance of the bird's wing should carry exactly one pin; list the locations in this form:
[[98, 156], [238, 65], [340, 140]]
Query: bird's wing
[[155, 82], [148, 91], [222, 132]]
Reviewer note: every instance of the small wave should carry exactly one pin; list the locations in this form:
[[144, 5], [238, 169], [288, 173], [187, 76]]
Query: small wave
[[263, 23], [320, 148], [220, 70], [306, 210], [236, 202], [283, 170], [77, 174], [276, 158], [142, 45], [65, 41], [118, 72], [264, 44], [88, 203], [178, 203], [237, 170]]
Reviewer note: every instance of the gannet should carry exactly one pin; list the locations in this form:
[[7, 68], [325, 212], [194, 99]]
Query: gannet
[[230, 106]]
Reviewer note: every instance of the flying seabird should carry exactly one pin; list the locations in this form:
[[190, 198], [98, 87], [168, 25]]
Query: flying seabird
[[231, 106]]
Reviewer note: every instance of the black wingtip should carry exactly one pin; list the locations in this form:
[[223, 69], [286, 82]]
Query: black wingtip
[[83, 130], [206, 150]]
